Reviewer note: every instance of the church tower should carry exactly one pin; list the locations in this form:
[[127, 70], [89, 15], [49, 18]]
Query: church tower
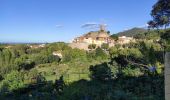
[[102, 28]]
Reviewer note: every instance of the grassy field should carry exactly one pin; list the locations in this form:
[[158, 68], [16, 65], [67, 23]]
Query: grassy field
[[71, 72]]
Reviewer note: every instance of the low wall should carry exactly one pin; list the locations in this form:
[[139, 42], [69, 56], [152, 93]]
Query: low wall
[[83, 46]]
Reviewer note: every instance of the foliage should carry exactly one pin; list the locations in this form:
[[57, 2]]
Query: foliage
[[21, 48], [28, 71], [57, 46], [165, 36], [131, 71], [13, 81], [114, 36], [72, 54], [33, 73], [160, 14], [92, 46], [100, 54], [113, 51], [101, 72], [59, 85], [105, 46]]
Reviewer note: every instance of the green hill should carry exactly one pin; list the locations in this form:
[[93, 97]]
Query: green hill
[[132, 32]]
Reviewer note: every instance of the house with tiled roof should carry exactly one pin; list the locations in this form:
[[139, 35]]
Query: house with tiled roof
[[94, 37]]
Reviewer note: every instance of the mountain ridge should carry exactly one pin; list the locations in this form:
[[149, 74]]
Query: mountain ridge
[[132, 32]]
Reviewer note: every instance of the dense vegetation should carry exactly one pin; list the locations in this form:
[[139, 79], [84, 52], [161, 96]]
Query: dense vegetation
[[132, 71]]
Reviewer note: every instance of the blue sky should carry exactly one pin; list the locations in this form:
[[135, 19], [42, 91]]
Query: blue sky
[[61, 20]]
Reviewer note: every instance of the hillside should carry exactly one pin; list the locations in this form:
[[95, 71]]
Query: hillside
[[78, 74], [132, 32]]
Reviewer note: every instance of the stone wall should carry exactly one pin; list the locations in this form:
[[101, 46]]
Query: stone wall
[[83, 46]]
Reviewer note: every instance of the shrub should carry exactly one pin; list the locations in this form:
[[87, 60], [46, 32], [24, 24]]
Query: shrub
[[12, 81], [101, 72]]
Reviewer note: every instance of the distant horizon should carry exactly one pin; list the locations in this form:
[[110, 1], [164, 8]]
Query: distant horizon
[[22, 42], [29, 42], [41, 21]]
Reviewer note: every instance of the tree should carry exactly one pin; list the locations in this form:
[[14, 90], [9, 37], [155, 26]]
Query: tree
[[114, 36], [59, 46], [92, 46], [59, 85], [152, 56], [40, 78], [101, 72], [118, 46], [24, 63], [161, 13], [21, 48], [140, 36], [135, 53], [52, 58], [108, 32], [152, 24], [105, 46], [73, 54], [13, 81], [113, 51], [100, 54]]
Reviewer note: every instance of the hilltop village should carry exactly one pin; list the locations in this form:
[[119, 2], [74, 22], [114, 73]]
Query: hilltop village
[[98, 38]]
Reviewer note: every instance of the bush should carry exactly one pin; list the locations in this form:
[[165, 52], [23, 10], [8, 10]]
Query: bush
[[101, 72], [130, 71], [100, 54], [12, 81], [105, 46]]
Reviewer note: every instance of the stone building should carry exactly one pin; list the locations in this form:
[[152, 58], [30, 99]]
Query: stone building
[[98, 38], [124, 40], [94, 37]]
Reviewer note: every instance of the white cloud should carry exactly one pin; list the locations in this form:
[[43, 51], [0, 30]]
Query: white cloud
[[140, 26], [59, 26], [143, 26], [92, 25], [89, 24], [126, 29]]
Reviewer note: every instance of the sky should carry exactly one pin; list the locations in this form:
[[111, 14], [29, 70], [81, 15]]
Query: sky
[[61, 20]]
